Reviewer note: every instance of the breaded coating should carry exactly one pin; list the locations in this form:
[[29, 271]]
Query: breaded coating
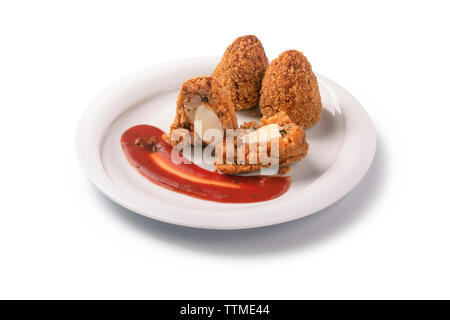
[[241, 71], [198, 91], [290, 85], [292, 147]]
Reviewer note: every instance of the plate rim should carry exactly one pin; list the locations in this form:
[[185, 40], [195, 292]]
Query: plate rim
[[87, 147]]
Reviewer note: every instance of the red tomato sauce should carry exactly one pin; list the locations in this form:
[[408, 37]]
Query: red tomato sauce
[[151, 156]]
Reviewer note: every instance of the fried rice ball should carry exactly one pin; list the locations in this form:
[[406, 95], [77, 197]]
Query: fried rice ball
[[290, 85], [201, 100], [292, 147], [241, 71]]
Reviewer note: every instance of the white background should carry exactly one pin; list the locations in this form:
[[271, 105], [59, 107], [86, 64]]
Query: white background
[[60, 238]]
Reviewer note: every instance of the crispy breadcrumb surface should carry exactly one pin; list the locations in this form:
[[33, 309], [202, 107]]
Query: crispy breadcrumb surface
[[193, 92], [292, 147], [290, 85], [241, 71]]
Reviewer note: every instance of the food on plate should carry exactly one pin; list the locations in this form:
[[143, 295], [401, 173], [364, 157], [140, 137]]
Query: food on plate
[[253, 150], [241, 71], [202, 104], [290, 85], [288, 95], [151, 155]]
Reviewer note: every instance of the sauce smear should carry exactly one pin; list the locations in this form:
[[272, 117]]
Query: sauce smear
[[151, 156]]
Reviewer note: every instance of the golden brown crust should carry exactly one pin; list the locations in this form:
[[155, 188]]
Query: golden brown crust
[[292, 147], [284, 170], [290, 85], [241, 71], [203, 89]]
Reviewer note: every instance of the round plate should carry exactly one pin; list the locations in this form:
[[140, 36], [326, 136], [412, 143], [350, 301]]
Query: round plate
[[342, 146]]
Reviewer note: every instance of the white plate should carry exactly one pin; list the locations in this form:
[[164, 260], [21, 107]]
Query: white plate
[[342, 146]]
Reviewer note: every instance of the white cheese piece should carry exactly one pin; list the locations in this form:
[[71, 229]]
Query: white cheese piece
[[206, 123], [263, 134]]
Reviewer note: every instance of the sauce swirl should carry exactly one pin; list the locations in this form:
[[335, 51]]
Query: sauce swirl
[[151, 156]]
